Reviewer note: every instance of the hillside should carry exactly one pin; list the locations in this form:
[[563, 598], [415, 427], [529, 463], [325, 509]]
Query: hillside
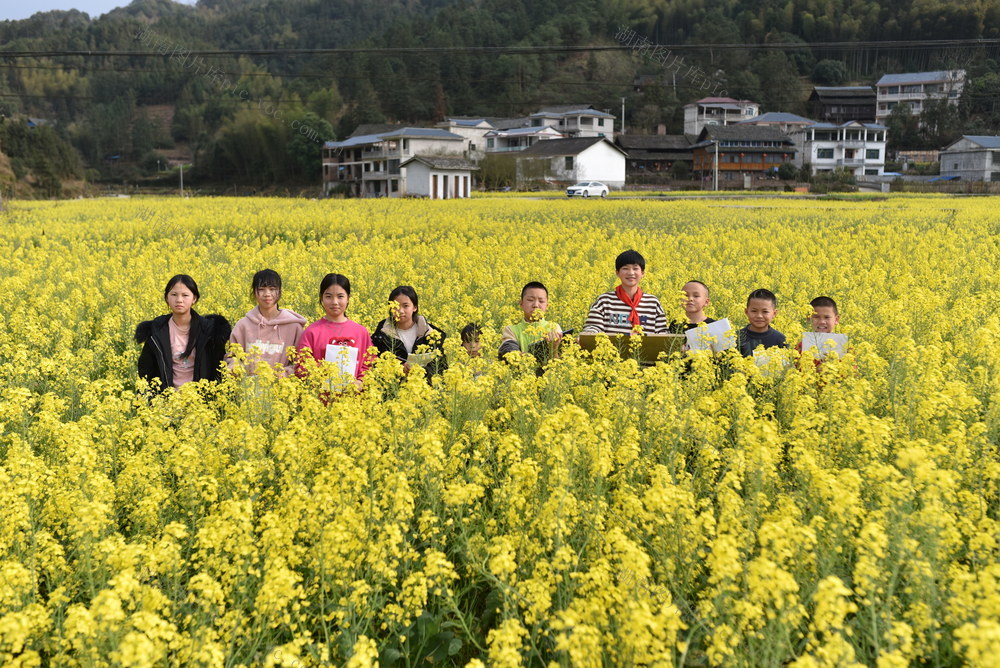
[[233, 112]]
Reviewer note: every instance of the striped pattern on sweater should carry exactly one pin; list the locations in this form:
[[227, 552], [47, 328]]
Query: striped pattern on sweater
[[609, 314]]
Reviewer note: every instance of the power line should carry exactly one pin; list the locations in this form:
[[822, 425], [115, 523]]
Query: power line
[[508, 50]]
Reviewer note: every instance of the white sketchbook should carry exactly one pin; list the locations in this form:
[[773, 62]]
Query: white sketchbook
[[344, 357], [824, 343], [711, 336]]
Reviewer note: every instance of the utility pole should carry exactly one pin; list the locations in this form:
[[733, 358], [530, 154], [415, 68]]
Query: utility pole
[[716, 166], [623, 115], [182, 179]]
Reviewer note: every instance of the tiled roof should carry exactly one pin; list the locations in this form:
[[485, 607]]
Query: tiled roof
[[468, 122], [986, 141], [742, 132], [534, 129], [654, 142], [375, 128], [509, 123], [775, 117], [400, 132], [557, 147], [442, 162], [921, 77], [575, 111], [835, 126]]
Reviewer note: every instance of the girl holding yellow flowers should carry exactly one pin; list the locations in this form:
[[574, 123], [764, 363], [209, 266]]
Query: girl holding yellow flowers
[[182, 346], [408, 335]]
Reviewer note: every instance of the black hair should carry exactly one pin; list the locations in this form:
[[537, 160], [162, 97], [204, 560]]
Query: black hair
[[186, 281], [265, 278], [471, 332], [195, 329], [408, 292], [694, 280], [534, 285], [630, 257], [334, 279], [763, 293], [820, 302]]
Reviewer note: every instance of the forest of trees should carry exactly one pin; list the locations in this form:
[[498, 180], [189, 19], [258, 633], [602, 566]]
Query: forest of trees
[[260, 118]]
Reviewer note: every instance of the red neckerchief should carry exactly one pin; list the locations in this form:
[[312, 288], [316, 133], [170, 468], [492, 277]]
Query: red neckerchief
[[633, 303]]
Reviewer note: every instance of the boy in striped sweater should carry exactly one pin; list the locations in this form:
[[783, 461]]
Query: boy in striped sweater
[[621, 310]]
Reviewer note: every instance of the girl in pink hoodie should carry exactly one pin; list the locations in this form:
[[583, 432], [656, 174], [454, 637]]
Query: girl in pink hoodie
[[267, 332]]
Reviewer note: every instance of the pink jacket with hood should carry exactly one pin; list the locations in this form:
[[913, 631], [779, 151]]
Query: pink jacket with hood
[[273, 338]]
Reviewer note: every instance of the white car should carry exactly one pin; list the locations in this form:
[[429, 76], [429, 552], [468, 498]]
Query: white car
[[586, 189]]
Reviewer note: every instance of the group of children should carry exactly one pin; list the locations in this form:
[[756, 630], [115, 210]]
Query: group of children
[[184, 346]]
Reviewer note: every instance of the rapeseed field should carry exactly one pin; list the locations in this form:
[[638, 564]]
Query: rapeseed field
[[697, 512]]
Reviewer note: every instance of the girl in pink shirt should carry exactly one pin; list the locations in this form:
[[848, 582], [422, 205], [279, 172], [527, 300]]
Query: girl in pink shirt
[[335, 338]]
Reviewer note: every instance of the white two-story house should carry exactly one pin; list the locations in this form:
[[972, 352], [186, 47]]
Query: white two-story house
[[369, 164], [855, 146], [717, 111], [518, 139], [916, 89], [575, 120]]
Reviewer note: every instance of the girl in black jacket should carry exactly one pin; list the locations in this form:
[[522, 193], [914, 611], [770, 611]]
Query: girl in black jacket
[[405, 331], [182, 346]]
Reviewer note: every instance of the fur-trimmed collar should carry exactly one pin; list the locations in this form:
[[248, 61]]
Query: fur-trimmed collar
[[211, 325]]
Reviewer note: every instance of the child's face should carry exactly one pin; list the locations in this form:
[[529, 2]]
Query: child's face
[[403, 313], [696, 298], [760, 313], [534, 303], [473, 347], [824, 319], [267, 296], [335, 300], [630, 275], [180, 299]]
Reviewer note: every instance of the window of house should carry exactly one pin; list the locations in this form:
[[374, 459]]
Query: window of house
[[871, 172], [490, 143], [394, 185], [892, 90], [872, 154], [600, 122], [472, 147], [824, 154], [568, 162], [406, 144]]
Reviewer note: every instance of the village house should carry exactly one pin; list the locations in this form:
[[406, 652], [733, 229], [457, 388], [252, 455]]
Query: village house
[[972, 158], [741, 150], [839, 104], [916, 89], [654, 154], [717, 111], [568, 161], [473, 129], [369, 162], [857, 147], [438, 177]]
